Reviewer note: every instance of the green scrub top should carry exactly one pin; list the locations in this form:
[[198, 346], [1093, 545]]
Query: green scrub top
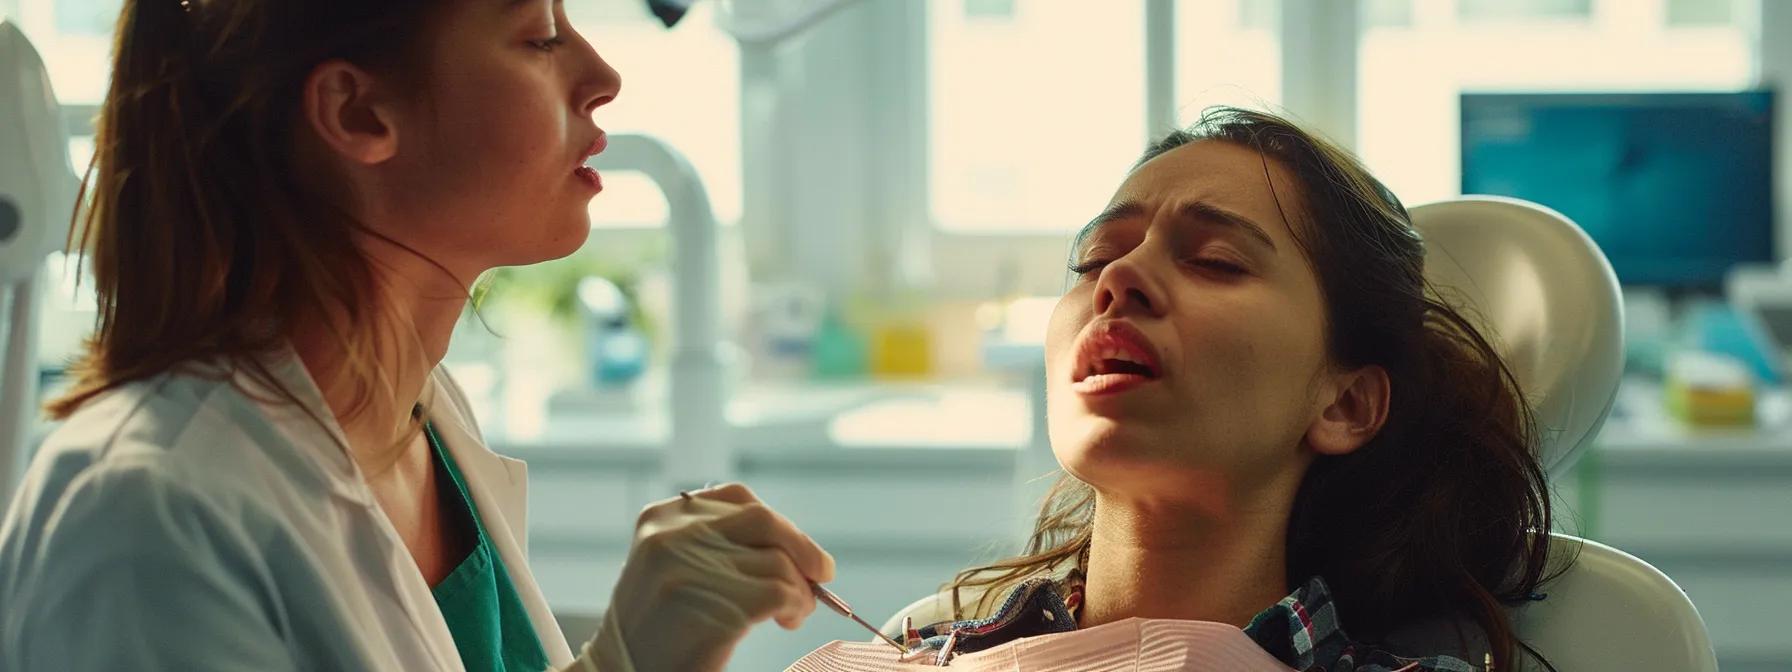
[[491, 628]]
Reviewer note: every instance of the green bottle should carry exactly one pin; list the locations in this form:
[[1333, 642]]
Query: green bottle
[[839, 349]]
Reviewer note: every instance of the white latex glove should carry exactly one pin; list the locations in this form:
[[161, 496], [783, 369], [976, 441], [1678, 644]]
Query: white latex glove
[[700, 573]]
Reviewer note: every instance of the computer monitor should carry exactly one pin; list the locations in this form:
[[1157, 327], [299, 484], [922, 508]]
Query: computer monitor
[[1675, 188]]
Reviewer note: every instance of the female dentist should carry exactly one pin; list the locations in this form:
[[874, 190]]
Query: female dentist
[[261, 466]]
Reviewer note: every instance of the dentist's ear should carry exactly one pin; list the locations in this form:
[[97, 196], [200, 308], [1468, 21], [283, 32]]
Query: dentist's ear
[[349, 114], [1357, 408]]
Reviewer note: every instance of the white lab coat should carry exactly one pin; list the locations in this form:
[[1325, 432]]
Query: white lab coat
[[178, 523]]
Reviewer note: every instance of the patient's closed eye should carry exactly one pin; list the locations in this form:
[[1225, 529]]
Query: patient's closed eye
[[1218, 263], [1085, 268]]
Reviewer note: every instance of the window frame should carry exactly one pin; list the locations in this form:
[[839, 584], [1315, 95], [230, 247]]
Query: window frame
[[1319, 43], [1326, 95]]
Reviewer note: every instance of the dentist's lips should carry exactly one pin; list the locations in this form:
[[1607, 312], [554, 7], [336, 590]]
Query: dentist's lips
[[1113, 357], [586, 173]]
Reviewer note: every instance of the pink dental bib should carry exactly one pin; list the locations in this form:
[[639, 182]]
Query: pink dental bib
[[1132, 645]]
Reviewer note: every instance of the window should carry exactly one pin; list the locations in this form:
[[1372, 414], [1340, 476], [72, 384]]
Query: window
[[1417, 56], [1228, 53], [75, 39], [1523, 11], [1704, 12], [68, 312], [1032, 132], [682, 85], [1037, 109]]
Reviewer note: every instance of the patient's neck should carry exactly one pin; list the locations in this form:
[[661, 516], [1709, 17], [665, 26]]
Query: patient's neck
[[1157, 559]]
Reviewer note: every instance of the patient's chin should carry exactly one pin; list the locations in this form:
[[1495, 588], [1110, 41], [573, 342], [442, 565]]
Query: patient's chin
[[1176, 492], [1127, 461], [1091, 447]]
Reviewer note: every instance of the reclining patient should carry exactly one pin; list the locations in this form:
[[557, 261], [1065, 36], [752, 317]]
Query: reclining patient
[[1265, 422]]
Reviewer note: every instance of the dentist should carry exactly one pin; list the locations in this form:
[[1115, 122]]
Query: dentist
[[261, 465]]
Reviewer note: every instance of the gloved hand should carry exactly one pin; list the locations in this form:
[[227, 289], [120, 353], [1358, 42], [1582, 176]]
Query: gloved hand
[[701, 571]]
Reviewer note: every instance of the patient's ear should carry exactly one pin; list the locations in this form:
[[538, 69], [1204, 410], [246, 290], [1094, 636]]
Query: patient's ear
[[1356, 408]]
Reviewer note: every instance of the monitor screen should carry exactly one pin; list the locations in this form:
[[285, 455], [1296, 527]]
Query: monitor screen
[[1675, 188]]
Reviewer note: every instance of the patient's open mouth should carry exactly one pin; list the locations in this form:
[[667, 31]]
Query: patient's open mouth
[[1113, 357]]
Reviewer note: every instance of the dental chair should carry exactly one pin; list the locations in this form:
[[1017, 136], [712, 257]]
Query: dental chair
[[1548, 299]]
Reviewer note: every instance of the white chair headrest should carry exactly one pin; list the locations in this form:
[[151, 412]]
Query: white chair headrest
[[1545, 296]]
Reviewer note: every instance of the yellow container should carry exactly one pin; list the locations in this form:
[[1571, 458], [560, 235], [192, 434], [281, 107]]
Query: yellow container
[[901, 350], [1711, 407]]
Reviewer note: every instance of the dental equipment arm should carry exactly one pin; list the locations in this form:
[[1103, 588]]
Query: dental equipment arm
[[37, 196]]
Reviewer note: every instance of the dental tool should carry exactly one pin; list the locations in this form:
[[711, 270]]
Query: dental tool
[[839, 606]]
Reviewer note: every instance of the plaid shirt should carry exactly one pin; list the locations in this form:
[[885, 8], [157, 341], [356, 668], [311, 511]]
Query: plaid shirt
[[1301, 630]]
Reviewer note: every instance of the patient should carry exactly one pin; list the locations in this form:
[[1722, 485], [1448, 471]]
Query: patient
[[1267, 421]]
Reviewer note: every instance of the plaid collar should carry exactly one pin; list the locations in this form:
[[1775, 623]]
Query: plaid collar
[[1301, 630]]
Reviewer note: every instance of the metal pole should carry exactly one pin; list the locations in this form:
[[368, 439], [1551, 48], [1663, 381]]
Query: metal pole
[[18, 385], [1160, 68]]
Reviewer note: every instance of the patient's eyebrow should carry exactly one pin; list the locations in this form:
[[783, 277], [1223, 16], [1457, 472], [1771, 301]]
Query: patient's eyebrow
[[1202, 212], [1119, 210], [1199, 213]]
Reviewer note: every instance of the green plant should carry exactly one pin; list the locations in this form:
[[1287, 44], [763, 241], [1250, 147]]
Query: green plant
[[552, 289]]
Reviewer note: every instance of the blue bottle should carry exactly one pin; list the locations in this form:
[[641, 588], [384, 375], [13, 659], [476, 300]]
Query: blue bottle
[[618, 348]]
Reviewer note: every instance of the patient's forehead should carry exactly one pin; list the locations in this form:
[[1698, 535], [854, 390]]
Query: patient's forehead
[[1224, 174]]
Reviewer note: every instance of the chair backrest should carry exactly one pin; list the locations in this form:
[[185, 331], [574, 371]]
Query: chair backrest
[[1609, 611], [1547, 296]]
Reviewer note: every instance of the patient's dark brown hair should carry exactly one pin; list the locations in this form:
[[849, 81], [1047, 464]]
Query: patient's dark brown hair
[[1446, 512]]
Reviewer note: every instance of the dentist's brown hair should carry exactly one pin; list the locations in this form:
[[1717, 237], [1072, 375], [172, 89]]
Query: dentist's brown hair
[[204, 237]]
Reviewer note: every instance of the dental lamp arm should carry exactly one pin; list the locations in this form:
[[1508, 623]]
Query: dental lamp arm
[[759, 32], [37, 195]]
